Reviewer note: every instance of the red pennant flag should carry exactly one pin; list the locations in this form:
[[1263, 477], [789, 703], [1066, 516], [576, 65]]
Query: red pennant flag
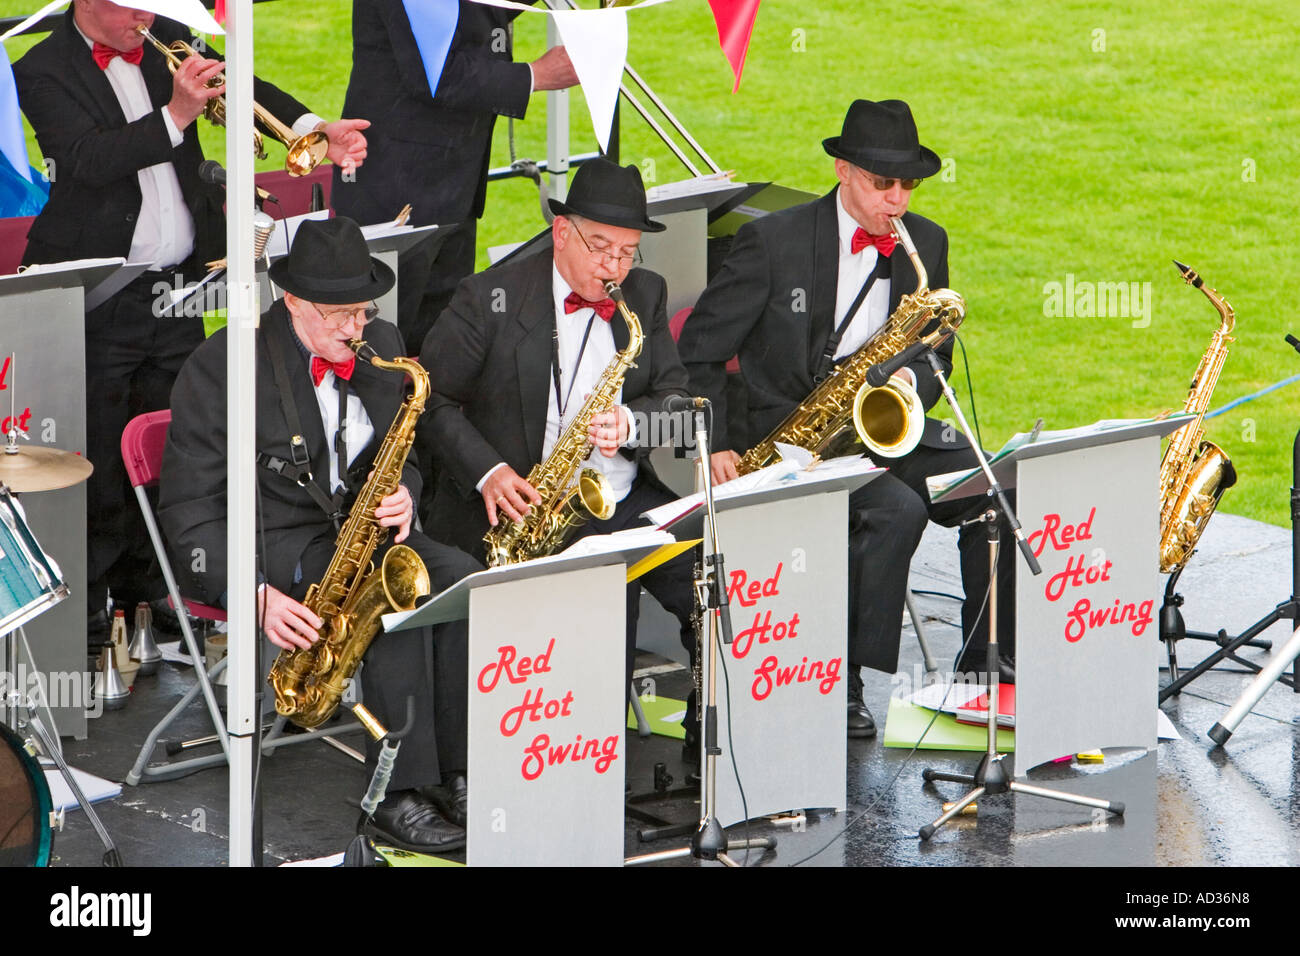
[[735, 19], [219, 14]]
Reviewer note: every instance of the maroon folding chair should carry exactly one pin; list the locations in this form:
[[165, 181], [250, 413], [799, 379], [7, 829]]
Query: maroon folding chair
[[142, 451]]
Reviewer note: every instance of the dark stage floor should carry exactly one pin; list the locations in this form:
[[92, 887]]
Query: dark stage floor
[[1188, 804]]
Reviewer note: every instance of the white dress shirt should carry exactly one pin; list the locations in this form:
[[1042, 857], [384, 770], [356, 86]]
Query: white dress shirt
[[357, 427], [853, 271], [577, 383], [164, 230]]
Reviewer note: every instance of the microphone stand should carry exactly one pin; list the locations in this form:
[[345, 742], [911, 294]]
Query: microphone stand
[[1287, 610], [991, 776], [710, 841]]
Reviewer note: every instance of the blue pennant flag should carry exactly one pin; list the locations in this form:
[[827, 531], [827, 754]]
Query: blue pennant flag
[[22, 190], [433, 22]]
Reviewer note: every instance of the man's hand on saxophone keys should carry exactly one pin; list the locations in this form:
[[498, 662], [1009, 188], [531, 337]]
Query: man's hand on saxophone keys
[[396, 511], [290, 625], [508, 495], [609, 430], [724, 466]]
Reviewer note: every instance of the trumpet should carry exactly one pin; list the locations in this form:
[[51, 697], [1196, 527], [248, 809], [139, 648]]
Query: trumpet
[[305, 152]]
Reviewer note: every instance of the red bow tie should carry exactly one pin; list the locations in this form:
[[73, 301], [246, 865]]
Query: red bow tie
[[862, 239], [604, 308], [104, 55], [342, 369]]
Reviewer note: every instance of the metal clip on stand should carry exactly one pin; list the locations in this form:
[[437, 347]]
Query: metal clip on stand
[[710, 841], [991, 776]]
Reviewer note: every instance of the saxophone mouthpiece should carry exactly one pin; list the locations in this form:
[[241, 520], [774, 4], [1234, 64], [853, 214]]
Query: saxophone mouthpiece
[[1189, 274], [613, 291], [363, 350]]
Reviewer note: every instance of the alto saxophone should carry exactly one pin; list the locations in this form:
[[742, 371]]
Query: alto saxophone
[[352, 595], [843, 411], [1194, 474], [567, 503]]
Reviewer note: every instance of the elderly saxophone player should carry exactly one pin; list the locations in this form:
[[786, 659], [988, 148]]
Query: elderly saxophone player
[[802, 289], [322, 417], [512, 359]]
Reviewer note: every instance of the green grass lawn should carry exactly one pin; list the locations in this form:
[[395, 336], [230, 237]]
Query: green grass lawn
[[1096, 141]]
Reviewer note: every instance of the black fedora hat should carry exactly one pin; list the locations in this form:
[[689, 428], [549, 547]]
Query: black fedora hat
[[330, 263], [881, 138], [608, 193]]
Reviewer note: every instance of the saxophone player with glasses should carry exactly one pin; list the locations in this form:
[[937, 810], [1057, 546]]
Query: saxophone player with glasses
[[512, 361], [322, 417], [800, 291]]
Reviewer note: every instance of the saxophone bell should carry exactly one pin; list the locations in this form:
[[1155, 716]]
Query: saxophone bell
[[889, 419]]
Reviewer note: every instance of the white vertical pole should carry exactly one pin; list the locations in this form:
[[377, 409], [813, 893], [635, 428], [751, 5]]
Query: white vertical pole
[[242, 314], [557, 129]]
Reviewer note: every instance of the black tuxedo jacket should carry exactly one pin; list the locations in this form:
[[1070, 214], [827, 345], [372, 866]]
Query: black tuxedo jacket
[[489, 363], [96, 154], [429, 151], [192, 492], [773, 304]]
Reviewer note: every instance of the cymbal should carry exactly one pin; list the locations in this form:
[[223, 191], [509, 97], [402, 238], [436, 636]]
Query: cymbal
[[42, 469]]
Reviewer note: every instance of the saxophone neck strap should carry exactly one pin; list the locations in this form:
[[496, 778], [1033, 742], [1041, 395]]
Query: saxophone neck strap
[[298, 467], [881, 271], [562, 403]]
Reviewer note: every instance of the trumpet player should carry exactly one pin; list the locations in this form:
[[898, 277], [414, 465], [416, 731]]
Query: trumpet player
[[122, 148], [512, 359], [800, 290]]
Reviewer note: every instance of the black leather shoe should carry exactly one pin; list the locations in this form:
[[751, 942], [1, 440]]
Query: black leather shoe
[[451, 799], [1006, 668], [408, 820], [98, 631], [164, 618], [860, 723]]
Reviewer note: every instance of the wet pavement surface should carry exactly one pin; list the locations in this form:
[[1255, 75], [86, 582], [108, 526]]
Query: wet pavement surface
[[1188, 803]]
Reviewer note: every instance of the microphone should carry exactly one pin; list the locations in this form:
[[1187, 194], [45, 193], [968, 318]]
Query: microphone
[[214, 174], [879, 373], [676, 403]]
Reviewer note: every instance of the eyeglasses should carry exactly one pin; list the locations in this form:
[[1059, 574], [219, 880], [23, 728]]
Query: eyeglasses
[[883, 184], [602, 254], [337, 318]]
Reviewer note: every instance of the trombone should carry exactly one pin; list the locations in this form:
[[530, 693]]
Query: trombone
[[305, 152]]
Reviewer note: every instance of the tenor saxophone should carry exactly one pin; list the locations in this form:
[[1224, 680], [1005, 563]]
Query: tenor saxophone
[[1194, 474], [570, 492], [353, 594], [843, 412]]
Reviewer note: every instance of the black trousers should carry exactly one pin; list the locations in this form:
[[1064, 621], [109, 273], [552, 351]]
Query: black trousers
[[972, 544], [429, 664], [671, 584], [132, 359]]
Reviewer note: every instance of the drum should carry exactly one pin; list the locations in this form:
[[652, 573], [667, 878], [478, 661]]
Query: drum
[[30, 581], [25, 805]]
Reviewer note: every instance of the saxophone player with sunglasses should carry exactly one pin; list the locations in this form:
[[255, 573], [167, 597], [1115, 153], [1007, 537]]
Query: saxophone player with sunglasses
[[800, 291]]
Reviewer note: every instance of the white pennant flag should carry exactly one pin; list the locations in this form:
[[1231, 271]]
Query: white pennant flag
[[596, 41], [192, 13]]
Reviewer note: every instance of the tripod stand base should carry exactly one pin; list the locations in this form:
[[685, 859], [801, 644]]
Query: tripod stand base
[[1220, 734], [991, 778]]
